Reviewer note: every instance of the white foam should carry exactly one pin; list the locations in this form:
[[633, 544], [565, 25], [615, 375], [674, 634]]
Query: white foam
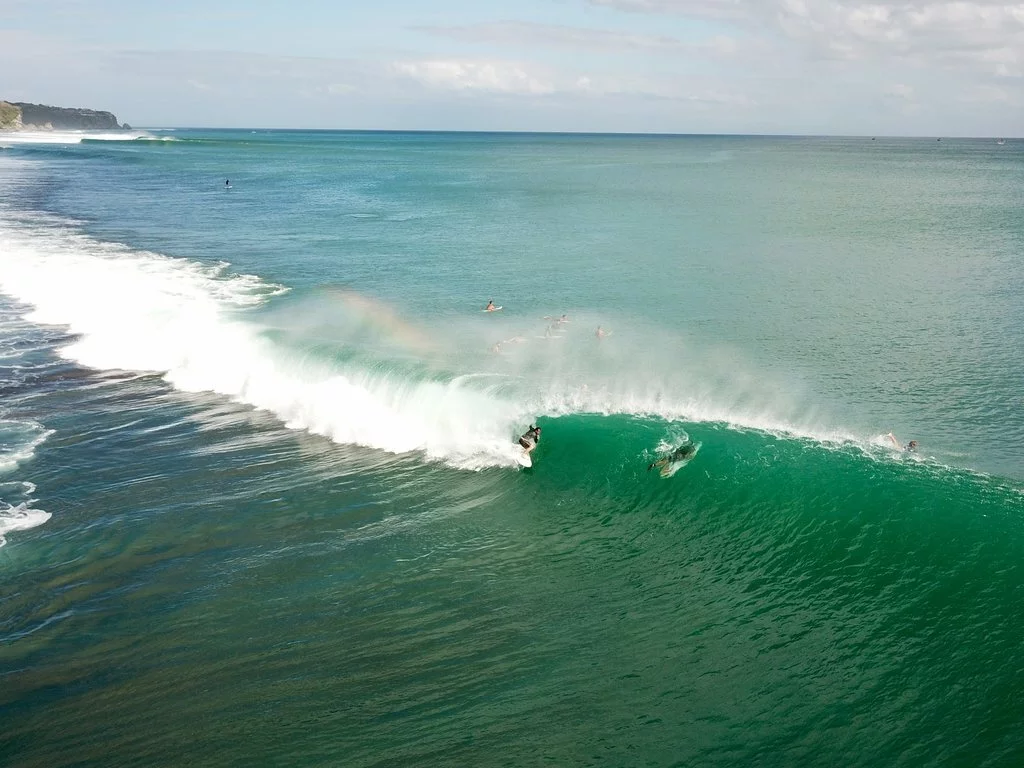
[[11, 138], [18, 442], [21, 516]]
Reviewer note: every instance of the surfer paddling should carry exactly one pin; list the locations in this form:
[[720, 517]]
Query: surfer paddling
[[684, 452], [530, 439], [490, 306]]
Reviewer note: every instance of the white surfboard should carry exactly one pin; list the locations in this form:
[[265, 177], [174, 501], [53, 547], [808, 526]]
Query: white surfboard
[[496, 309], [523, 458]]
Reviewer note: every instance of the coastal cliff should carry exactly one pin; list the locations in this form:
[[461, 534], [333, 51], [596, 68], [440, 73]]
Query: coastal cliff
[[19, 116]]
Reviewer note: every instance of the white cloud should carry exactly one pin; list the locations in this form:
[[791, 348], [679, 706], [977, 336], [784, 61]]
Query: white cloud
[[490, 76], [520, 79], [713, 9], [992, 94], [530, 35], [900, 91], [985, 35]]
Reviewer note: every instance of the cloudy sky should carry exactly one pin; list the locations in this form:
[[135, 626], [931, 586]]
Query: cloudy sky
[[892, 67]]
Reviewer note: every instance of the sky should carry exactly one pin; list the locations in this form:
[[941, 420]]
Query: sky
[[887, 68]]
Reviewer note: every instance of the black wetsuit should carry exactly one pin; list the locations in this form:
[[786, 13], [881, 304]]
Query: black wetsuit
[[530, 439], [683, 453]]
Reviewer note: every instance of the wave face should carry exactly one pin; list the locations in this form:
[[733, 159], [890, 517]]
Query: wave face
[[339, 364]]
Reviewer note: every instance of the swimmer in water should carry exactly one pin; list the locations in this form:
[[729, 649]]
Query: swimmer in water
[[601, 332]]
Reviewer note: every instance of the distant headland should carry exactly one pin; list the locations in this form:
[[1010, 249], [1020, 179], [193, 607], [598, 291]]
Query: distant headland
[[19, 116]]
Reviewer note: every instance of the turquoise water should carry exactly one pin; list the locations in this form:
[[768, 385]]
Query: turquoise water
[[262, 500]]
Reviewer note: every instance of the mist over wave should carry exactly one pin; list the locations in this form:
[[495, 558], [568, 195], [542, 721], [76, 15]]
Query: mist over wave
[[336, 363]]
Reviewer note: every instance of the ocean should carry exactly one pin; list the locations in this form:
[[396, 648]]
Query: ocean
[[261, 502]]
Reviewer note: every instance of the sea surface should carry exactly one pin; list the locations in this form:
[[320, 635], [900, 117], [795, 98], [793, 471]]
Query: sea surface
[[261, 499]]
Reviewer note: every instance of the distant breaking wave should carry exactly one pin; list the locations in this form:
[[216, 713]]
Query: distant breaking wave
[[76, 137]]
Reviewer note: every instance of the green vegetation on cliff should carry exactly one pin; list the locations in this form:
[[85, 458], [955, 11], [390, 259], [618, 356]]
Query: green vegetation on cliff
[[19, 114], [10, 116]]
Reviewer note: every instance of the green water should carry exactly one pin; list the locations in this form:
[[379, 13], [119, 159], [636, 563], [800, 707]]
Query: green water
[[287, 527]]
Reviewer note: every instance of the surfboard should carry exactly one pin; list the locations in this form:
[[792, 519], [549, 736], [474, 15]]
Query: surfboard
[[496, 309], [523, 458], [674, 466]]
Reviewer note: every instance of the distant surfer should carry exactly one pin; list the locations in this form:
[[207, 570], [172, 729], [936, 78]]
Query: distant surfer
[[601, 332], [530, 439], [514, 340], [911, 446], [227, 183], [490, 306], [684, 452], [557, 320]]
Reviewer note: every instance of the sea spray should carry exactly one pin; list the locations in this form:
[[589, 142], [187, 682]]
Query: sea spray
[[349, 367]]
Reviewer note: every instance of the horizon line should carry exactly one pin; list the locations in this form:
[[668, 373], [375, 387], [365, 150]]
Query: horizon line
[[513, 132]]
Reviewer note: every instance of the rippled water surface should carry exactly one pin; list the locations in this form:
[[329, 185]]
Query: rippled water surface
[[260, 491]]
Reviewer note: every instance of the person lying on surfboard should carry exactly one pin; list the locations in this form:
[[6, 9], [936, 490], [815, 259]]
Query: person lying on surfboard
[[530, 439], [684, 452]]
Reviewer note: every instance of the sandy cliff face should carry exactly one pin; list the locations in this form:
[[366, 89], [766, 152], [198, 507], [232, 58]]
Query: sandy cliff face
[[22, 116]]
